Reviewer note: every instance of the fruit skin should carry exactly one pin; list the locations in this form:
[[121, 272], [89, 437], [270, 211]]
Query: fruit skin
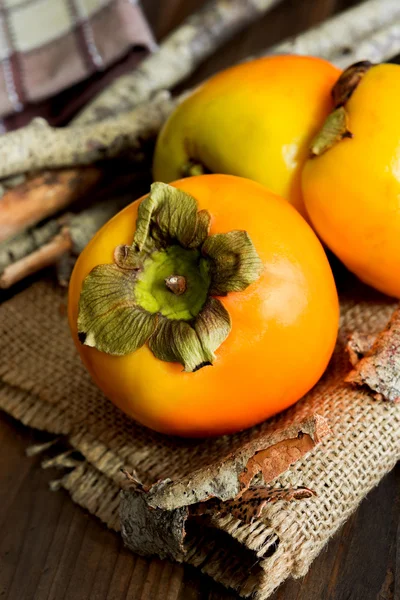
[[352, 192], [284, 325], [254, 120]]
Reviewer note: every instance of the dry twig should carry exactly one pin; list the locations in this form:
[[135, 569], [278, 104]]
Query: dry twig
[[179, 54], [44, 246], [341, 34], [42, 196], [331, 39]]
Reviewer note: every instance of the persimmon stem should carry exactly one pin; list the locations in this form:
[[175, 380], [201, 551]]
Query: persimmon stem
[[176, 284]]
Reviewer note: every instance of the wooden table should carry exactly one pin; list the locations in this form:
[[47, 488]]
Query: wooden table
[[50, 549]]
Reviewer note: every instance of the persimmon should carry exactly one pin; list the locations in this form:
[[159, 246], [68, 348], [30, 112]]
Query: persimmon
[[351, 183], [205, 307], [254, 120]]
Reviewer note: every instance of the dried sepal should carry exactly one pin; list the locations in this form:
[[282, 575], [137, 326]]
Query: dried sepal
[[349, 81], [109, 318], [212, 325], [177, 341], [234, 262], [203, 222], [333, 131], [177, 214], [171, 212], [126, 257]]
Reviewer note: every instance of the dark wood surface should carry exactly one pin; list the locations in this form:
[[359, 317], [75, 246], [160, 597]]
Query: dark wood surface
[[50, 549]]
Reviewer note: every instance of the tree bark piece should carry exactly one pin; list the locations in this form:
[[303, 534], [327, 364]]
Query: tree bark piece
[[41, 196], [379, 369], [39, 145], [178, 56], [262, 459], [358, 345], [153, 518], [340, 35], [251, 503]]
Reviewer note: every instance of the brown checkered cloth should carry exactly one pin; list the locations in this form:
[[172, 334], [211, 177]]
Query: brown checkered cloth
[[56, 54]]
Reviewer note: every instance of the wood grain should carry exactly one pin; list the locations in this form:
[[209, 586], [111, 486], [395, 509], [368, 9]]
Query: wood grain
[[50, 549]]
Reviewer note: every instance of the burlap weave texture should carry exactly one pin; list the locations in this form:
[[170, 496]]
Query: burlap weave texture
[[44, 385]]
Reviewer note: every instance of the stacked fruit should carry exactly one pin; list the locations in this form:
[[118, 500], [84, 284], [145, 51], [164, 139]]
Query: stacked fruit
[[209, 305]]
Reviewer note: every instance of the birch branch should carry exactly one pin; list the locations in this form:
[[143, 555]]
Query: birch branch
[[339, 31], [202, 33], [45, 256], [39, 145], [341, 34], [377, 47], [178, 56]]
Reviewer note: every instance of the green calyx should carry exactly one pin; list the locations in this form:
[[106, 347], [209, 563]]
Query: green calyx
[[152, 293], [160, 290]]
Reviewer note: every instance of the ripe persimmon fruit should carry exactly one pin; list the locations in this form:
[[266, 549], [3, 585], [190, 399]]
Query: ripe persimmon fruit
[[204, 307], [253, 120], [351, 183]]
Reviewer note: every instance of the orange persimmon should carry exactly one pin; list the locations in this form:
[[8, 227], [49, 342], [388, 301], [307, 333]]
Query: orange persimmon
[[254, 120], [351, 184], [240, 293]]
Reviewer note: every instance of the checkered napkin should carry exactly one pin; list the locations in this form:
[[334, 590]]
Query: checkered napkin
[[50, 46]]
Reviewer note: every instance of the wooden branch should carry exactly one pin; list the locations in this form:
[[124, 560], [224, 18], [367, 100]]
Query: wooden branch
[[86, 144], [340, 35], [42, 247], [43, 196], [27, 242], [153, 519], [39, 145], [377, 47], [380, 366], [45, 256], [178, 56]]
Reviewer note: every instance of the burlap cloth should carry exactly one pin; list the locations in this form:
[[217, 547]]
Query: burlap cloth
[[44, 385]]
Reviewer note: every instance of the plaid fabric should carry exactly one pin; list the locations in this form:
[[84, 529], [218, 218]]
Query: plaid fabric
[[47, 46]]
